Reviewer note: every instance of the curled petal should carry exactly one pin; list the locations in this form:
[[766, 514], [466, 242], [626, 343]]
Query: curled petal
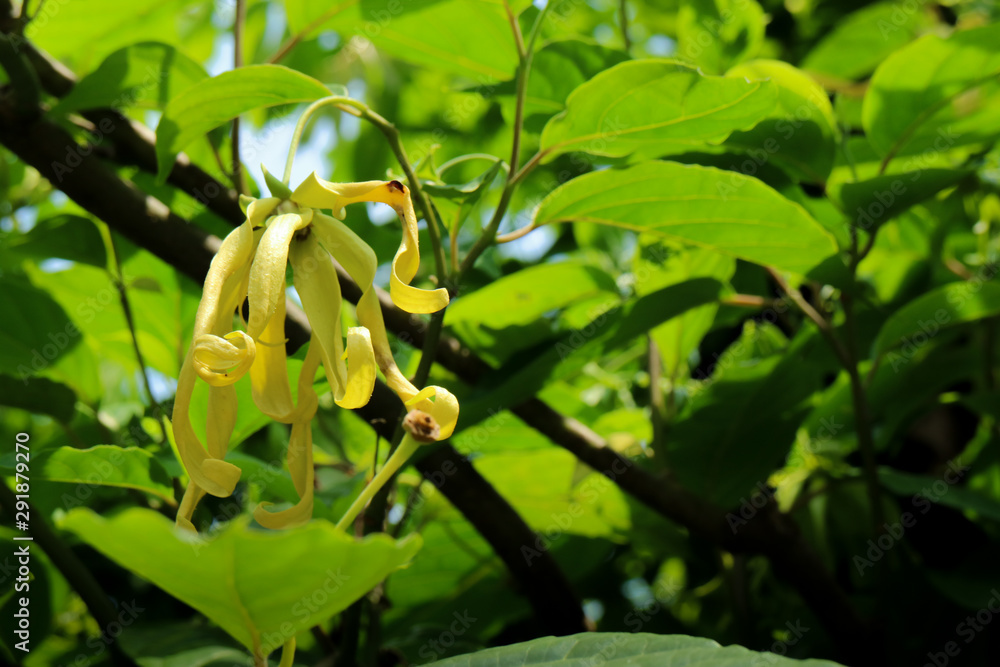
[[317, 193], [440, 404], [223, 361], [260, 209], [267, 275], [316, 282], [233, 256]]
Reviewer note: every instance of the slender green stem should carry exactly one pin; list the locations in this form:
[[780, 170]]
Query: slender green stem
[[345, 103], [238, 25], [488, 237], [288, 654], [623, 24], [405, 450], [119, 279]]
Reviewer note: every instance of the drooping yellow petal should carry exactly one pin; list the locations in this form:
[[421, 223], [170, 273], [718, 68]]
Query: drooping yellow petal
[[358, 259], [267, 275], [300, 459], [269, 373], [317, 193], [206, 471], [316, 282]]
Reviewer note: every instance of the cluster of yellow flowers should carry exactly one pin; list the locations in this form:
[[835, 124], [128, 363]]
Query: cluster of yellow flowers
[[250, 266]]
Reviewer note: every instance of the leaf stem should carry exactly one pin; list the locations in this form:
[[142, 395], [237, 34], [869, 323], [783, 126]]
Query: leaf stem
[[405, 450]]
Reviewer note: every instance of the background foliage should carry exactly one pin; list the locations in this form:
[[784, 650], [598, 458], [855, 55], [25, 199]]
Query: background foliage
[[739, 379]]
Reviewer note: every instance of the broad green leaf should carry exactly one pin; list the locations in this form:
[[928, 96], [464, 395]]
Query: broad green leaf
[[659, 263], [173, 644], [875, 200], [145, 75], [716, 34], [612, 327], [650, 108], [732, 435], [935, 94], [93, 29], [526, 295], [863, 40], [801, 134], [70, 237], [726, 211], [469, 192], [955, 495], [621, 649], [948, 306], [471, 38], [36, 330], [39, 395], [106, 465], [212, 102], [542, 488], [251, 583], [307, 17]]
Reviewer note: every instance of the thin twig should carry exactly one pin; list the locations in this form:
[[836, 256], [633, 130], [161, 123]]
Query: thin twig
[[238, 25], [623, 24]]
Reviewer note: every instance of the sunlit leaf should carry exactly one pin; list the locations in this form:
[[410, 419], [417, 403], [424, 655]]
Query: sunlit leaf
[[650, 108], [145, 75], [247, 581], [726, 211], [212, 102], [106, 465]]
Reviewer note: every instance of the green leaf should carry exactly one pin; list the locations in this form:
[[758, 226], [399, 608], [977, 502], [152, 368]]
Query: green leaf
[[734, 434], [801, 134], [39, 395], [71, 237], [863, 40], [726, 211], [212, 102], [36, 330], [145, 75], [716, 34], [612, 328], [955, 496], [948, 306], [876, 200], [106, 465], [471, 38], [935, 94], [469, 192], [92, 29], [250, 582], [621, 649], [653, 107]]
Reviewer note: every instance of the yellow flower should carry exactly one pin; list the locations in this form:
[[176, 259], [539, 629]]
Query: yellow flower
[[250, 266]]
